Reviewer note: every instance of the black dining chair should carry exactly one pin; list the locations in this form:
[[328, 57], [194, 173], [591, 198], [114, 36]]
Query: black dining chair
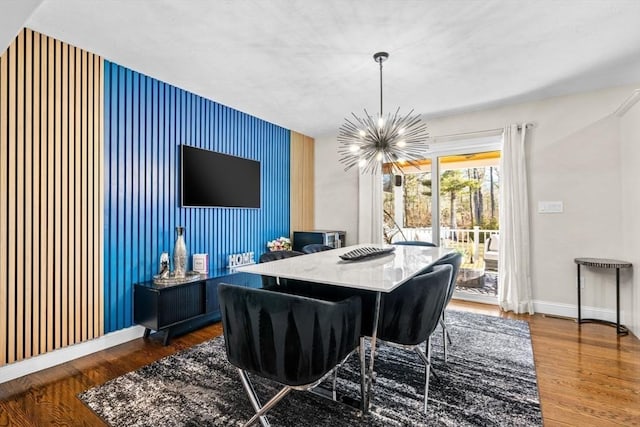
[[315, 247], [454, 259], [410, 314], [415, 243], [269, 282], [293, 340], [276, 255]]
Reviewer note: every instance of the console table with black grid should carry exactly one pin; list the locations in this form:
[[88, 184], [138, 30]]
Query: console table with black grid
[[182, 307]]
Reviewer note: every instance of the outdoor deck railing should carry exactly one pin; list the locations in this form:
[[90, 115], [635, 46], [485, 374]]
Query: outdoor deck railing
[[469, 241]]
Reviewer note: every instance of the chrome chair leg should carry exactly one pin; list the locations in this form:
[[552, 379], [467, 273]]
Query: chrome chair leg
[[446, 337], [444, 326], [363, 376], [253, 396], [255, 402], [358, 350], [334, 395], [427, 371], [426, 358]]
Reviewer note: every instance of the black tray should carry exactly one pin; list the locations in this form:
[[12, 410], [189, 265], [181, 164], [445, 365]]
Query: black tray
[[366, 252]]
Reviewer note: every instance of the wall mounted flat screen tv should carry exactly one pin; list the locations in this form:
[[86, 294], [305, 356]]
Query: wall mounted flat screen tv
[[212, 179]]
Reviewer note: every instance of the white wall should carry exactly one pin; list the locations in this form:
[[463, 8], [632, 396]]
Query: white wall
[[630, 161], [13, 15], [336, 191], [573, 156]]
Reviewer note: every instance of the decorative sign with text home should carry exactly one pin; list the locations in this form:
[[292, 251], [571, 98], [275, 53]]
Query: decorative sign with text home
[[237, 260]]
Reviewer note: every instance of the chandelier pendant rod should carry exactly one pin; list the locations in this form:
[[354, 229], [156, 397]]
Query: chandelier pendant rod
[[380, 60], [380, 57]]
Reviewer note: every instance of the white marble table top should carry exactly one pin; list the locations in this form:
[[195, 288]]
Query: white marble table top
[[380, 274]]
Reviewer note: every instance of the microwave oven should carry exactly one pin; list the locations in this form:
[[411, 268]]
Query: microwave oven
[[335, 239]]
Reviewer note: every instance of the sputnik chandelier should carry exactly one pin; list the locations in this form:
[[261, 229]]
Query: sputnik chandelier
[[371, 141]]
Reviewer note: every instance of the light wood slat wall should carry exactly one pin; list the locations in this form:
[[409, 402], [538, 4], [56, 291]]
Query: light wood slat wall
[[51, 141], [302, 182]]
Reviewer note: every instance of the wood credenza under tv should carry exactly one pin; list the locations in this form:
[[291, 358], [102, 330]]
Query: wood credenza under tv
[[180, 308]]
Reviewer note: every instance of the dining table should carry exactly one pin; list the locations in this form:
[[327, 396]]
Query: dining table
[[381, 273]]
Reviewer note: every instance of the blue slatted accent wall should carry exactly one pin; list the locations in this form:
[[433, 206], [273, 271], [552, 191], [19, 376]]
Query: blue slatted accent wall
[[145, 122]]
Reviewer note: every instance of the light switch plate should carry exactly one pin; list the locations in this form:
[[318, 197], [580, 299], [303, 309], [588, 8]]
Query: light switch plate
[[550, 207]]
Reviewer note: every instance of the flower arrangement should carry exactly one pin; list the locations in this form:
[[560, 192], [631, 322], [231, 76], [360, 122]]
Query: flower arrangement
[[279, 244]]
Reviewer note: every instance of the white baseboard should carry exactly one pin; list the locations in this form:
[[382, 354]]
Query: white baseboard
[[66, 354], [553, 308], [571, 310]]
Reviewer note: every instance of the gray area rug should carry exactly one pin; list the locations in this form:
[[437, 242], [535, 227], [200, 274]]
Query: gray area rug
[[489, 380]]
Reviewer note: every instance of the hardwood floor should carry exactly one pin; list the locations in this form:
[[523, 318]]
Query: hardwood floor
[[586, 376]]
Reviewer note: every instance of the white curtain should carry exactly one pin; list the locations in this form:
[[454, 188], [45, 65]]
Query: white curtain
[[370, 207], [514, 267]]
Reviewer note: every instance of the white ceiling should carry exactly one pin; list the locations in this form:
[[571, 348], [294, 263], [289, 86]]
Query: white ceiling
[[305, 65]]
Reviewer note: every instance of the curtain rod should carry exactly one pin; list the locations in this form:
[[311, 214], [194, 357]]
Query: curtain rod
[[477, 134]]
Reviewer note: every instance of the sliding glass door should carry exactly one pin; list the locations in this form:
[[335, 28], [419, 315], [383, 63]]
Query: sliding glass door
[[469, 219], [452, 200]]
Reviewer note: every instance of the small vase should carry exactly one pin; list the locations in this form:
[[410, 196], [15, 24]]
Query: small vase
[[180, 254]]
